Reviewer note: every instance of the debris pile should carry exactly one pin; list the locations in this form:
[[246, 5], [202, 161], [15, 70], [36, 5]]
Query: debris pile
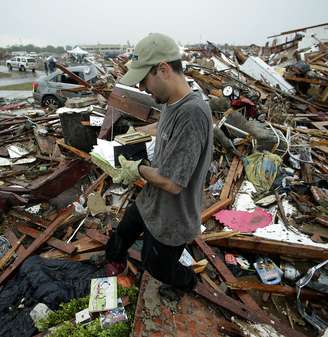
[[262, 255]]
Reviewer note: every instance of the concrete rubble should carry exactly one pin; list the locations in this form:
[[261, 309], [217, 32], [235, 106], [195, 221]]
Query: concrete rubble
[[266, 277]]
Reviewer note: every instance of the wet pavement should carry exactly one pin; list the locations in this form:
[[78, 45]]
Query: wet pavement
[[17, 77]]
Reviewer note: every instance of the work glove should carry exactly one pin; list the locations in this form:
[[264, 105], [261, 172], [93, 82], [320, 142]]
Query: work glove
[[129, 171], [104, 165]]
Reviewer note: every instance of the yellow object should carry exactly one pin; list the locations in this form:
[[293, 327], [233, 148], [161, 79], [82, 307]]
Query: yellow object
[[104, 165], [261, 169], [128, 173]]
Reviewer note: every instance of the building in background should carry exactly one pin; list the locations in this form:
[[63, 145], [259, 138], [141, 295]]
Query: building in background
[[108, 50]]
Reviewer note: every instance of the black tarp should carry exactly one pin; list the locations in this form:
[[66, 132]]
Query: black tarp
[[45, 281]]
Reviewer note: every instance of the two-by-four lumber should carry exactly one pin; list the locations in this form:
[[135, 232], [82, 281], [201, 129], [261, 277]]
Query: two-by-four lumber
[[271, 247], [53, 242], [249, 303], [53, 226]]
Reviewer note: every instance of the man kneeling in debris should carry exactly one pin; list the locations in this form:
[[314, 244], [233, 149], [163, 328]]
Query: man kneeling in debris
[[168, 208]]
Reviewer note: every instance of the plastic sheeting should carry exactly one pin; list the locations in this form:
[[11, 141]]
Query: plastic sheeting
[[261, 169], [45, 281]]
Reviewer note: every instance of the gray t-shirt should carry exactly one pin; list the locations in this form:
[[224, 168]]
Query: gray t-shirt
[[183, 153]]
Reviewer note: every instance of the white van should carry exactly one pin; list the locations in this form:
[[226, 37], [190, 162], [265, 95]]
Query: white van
[[21, 63]]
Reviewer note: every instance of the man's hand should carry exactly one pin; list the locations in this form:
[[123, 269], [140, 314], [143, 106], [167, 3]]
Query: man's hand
[[128, 173]]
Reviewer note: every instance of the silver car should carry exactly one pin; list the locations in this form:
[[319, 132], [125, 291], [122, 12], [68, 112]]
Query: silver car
[[54, 89]]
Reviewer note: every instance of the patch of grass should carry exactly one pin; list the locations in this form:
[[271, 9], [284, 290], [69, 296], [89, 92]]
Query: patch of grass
[[21, 86], [5, 75], [62, 319]]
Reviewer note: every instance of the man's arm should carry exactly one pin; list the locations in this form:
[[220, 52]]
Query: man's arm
[[154, 178], [151, 129]]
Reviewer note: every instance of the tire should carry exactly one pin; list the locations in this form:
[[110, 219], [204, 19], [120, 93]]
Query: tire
[[22, 68], [50, 100], [9, 66]]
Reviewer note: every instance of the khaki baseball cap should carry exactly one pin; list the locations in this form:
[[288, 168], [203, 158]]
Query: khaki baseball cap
[[150, 51]]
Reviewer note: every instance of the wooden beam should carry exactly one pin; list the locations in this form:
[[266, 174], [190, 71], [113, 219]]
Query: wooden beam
[[53, 226], [244, 311], [209, 212], [230, 179], [218, 235], [96, 235], [26, 216], [73, 149], [10, 253], [271, 247], [53, 242], [275, 289], [83, 245], [225, 273], [306, 80], [37, 243], [249, 303], [84, 256], [12, 238]]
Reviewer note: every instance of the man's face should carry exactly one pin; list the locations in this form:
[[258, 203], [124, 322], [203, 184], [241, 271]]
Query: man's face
[[155, 85]]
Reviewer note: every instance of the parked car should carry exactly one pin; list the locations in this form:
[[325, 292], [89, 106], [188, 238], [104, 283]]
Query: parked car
[[21, 63], [52, 89]]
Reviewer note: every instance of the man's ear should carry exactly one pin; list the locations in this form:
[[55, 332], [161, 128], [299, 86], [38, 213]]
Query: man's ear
[[165, 69]]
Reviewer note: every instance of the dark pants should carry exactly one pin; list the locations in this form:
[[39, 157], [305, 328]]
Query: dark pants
[[160, 260]]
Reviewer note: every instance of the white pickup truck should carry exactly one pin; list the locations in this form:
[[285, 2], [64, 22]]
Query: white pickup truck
[[22, 63]]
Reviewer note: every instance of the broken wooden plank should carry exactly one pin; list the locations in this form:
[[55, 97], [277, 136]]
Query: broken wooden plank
[[243, 310], [22, 120], [209, 212], [65, 177], [120, 100], [37, 243], [85, 256], [271, 247], [228, 328], [225, 192], [275, 289], [26, 216], [134, 270], [53, 226], [227, 302], [12, 238], [10, 253], [248, 301], [79, 153], [112, 116], [321, 125], [306, 80], [9, 198], [45, 142], [225, 273], [53, 242], [218, 235], [199, 266], [96, 235], [83, 245], [205, 277], [324, 95]]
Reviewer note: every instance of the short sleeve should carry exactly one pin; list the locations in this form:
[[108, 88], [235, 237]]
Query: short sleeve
[[183, 149]]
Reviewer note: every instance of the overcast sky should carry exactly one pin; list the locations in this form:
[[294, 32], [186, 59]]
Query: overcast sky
[[72, 22]]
